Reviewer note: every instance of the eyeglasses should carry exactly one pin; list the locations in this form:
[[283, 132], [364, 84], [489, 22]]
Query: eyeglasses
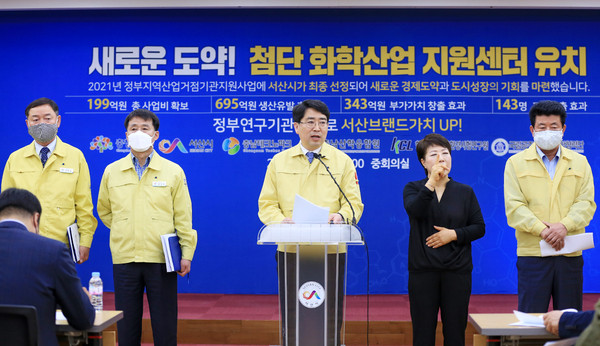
[[311, 123]]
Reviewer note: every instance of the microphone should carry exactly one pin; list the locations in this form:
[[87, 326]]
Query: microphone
[[318, 157]]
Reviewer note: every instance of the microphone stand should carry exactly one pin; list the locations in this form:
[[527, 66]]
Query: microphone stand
[[318, 157]]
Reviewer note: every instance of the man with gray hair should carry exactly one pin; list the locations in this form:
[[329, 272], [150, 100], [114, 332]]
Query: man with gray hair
[[57, 173]]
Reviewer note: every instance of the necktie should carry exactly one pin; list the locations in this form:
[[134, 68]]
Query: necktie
[[310, 156], [44, 155]]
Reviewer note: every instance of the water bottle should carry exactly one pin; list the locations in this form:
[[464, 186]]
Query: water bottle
[[95, 290]]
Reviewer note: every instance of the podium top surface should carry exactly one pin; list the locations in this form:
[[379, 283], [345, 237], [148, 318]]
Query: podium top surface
[[310, 234]]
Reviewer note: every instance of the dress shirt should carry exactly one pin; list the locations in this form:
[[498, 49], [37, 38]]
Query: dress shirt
[[550, 165], [51, 147], [139, 169]]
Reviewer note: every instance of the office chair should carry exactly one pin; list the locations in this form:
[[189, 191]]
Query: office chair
[[18, 325]]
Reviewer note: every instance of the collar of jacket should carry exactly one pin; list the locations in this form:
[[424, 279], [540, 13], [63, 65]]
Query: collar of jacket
[[155, 163], [532, 154], [326, 151], [7, 223], [59, 150]]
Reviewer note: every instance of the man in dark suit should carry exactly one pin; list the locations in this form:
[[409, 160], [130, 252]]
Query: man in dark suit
[[38, 271]]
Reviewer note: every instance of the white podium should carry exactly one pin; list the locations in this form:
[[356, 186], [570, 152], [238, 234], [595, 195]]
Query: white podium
[[312, 276]]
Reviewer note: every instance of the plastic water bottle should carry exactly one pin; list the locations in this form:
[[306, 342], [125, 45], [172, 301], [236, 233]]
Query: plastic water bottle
[[96, 290]]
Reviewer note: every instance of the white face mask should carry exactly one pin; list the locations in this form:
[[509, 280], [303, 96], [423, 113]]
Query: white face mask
[[547, 140], [139, 141]]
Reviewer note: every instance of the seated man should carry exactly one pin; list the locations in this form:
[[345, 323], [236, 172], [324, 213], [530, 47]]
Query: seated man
[[36, 270]]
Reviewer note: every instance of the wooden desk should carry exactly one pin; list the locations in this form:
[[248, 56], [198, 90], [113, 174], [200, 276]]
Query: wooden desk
[[497, 330], [103, 320]]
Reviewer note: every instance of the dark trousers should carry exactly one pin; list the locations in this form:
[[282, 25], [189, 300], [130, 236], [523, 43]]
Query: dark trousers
[[445, 291], [289, 335], [540, 278], [161, 288]]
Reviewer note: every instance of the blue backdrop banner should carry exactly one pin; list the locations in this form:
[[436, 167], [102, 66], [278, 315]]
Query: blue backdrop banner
[[223, 83]]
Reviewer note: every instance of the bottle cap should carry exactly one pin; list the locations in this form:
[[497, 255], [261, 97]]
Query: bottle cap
[[96, 274]]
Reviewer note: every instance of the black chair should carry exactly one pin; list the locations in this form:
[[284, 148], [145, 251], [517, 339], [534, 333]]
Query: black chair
[[18, 325]]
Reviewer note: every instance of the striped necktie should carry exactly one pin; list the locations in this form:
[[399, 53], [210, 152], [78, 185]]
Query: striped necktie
[[44, 155]]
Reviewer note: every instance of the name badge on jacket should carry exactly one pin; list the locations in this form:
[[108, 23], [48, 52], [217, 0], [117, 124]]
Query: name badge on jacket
[[66, 170], [159, 183]]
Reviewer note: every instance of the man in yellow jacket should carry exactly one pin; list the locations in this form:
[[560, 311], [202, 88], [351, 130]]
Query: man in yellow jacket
[[57, 174], [143, 196], [298, 171], [549, 194]]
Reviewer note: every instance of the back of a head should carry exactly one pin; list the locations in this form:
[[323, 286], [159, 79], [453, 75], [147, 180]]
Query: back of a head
[[21, 202]]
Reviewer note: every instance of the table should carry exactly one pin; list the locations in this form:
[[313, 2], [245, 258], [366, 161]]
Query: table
[[103, 320], [497, 330]]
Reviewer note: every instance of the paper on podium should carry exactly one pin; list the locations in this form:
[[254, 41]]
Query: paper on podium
[[528, 320], [307, 212], [531, 320], [573, 243]]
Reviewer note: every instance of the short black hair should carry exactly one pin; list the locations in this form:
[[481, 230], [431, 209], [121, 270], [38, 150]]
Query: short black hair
[[300, 109], [547, 108], [40, 102], [429, 141], [144, 114], [19, 201]]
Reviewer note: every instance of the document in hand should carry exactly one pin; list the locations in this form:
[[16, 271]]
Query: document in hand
[[307, 212], [172, 251], [573, 243], [73, 236]]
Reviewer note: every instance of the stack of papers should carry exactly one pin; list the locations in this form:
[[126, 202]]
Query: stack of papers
[[73, 236]]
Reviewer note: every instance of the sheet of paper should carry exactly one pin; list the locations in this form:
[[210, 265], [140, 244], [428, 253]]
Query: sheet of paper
[[563, 342], [573, 243], [307, 212], [60, 316], [528, 320]]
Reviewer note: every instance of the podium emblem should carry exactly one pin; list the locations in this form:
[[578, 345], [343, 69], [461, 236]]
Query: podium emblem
[[311, 294]]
